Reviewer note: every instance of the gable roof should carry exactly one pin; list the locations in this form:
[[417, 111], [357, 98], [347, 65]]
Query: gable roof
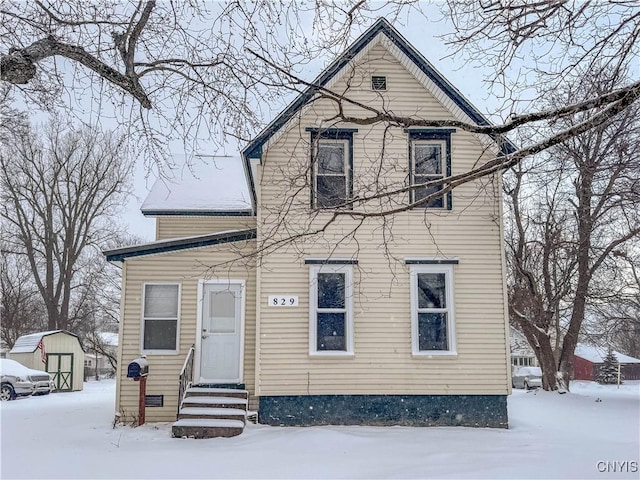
[[597, 354], [29, 343], [381, 26], [175, 244], [209, 188]]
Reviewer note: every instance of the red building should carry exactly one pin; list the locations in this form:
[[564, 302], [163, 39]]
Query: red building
[[588, 360]]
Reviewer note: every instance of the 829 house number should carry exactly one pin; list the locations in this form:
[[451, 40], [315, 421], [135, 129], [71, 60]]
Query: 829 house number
[[283, 300]]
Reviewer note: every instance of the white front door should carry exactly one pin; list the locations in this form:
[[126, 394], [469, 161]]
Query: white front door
[[221, 333]]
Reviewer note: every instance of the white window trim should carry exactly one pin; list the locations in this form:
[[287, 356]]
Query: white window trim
[[142, 319], [443, 167], [348, 303], [346, 165], [451, 330]]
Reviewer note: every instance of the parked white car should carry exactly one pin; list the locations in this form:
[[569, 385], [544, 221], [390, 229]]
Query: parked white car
[[18, 380], [527, 377]]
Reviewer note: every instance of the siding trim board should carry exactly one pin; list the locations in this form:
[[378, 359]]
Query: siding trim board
[[165, 246], [407, 410]]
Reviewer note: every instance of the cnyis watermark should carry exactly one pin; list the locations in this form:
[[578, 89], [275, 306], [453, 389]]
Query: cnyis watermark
[[626, 466]]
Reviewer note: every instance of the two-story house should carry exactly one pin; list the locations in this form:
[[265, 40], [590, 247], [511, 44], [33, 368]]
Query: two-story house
[[310, 275]]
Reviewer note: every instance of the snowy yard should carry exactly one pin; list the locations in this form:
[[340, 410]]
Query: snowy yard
[[578, 435]]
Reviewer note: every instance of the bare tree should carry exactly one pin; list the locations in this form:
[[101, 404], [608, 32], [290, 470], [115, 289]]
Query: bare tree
[[614, 317], [186, 70], [21, 307], [574, 212], [61, 191]]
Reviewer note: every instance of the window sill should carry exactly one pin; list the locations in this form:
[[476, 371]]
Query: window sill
[[332, 355], [435, 353], [159, 352]]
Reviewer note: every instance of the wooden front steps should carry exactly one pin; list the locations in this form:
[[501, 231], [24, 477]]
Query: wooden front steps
[[211, 412]]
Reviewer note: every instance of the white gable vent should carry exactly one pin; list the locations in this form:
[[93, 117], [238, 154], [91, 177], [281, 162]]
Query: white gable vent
[[378, 83]]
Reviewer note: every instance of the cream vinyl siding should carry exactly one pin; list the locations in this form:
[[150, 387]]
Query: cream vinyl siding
[[188, 226], [470, 232], [186, 268]]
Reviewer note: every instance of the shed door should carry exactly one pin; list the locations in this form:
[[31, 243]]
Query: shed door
[[61, 366], [221, 335]]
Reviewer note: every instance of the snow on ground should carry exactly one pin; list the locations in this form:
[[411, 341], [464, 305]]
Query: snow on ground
[[70, 435]]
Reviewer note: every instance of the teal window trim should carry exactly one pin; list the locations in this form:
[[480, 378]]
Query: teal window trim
[[346, 134], [440, 134]]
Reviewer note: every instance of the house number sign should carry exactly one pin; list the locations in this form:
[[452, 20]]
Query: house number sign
[[283, 300]]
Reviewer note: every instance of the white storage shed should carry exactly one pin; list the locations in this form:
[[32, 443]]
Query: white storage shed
[[58, 352]]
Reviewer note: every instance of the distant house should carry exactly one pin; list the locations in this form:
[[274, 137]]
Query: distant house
[[337, 330], [56, 351], [588, 360], [97, 363], [522, 355]]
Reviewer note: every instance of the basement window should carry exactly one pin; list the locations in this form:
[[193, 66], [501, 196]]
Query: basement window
[[378, 82]]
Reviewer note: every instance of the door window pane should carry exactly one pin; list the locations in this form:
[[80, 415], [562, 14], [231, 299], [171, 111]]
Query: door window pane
[[223, 304], [222, 312]]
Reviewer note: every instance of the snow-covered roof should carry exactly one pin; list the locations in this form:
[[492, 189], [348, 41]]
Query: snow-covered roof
[[28, 343], [109, 338], [597, 354], [209, 186]]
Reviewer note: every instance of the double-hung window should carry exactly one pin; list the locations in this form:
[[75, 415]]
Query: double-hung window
[[161, 305], [430, 161], [332, 168], [331, 309], [432, 316]]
